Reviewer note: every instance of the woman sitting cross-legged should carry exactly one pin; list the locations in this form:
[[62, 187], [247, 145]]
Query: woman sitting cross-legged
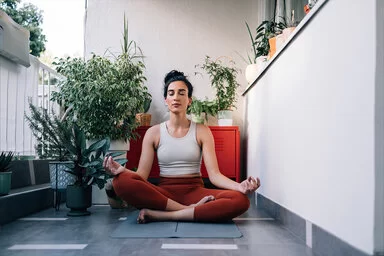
[[180, 145]]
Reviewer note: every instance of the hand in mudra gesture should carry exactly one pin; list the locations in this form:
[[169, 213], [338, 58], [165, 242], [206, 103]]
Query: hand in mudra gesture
[[111, 166], [249, 185]]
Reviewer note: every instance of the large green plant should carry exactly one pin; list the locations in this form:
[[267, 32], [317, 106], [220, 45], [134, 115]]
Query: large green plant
[[5, 160], [88, 160], [104, 94], [223, 80]]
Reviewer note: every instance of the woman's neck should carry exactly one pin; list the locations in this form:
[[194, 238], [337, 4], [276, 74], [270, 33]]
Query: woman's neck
[[177, 121]]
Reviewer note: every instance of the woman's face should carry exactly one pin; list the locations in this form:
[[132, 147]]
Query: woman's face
[[177, 97]]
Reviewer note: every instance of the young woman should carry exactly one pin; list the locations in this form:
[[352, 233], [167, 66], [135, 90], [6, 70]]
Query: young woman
[[180, 145]]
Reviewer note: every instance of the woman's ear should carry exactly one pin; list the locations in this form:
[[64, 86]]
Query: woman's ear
[[189, 101]]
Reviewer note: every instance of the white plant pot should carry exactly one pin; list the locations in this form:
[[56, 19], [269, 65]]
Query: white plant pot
[[280, 39], [199, 119], [287, 32], [99, 196], [261, 62], [251, 73], [224, 118]]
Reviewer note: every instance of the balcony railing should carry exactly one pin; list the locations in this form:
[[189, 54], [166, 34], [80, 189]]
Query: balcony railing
[[18, 85]]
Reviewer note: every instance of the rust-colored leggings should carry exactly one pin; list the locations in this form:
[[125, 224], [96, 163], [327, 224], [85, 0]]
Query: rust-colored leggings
[[140, 193]]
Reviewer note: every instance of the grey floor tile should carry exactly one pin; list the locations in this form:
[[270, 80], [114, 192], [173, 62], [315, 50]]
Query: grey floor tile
[[259, 237]]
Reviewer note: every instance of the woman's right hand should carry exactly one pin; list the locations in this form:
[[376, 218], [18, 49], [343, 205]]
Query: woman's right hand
[[111, 166]]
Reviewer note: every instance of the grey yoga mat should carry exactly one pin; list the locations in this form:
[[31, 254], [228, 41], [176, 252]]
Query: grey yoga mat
[[129, 228]]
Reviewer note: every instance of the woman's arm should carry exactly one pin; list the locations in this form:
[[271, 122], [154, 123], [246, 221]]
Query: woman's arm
[[205, 138], [150, 142], [146, 158]]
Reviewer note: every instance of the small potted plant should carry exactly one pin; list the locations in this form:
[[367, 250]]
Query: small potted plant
[[257, 60], [223, 80], [266, 37], [144, 118], [5, 173]]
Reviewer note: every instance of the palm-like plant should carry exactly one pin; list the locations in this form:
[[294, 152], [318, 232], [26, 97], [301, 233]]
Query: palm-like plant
[[50, 133]]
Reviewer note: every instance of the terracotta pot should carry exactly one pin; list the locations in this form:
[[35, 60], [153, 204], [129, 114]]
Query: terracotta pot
[[272, 47], [144, 119]]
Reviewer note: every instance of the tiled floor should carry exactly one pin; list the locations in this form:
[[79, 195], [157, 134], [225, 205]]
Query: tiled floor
[[260, 237]]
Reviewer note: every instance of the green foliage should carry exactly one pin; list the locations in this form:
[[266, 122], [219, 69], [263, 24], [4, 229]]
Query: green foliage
[[5, 160], [147, 103], [223, 79], [88, 161], [208, 107], [60, 139], [266, 30], [50, 133], [251, 60], [30, 17], [105, 95]]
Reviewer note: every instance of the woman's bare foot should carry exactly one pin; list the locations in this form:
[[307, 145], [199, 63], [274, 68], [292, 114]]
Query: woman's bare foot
[[144, 216], [204, 200]]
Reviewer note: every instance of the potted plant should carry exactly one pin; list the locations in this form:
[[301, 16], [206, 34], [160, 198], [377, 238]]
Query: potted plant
[[223, 80], [104, 92], [257, 61], [144, 118], [5, 173], [201, 109], [87, 168], [290, 25], [266, 34], [50, 133]]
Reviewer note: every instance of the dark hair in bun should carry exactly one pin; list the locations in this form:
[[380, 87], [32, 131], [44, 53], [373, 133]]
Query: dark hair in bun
[[173, 76]]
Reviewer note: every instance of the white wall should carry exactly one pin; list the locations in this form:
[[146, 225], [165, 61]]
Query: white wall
[[173, 35], [310, 123]]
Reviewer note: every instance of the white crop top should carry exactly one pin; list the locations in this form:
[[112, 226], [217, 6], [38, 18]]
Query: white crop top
[[178, 156]]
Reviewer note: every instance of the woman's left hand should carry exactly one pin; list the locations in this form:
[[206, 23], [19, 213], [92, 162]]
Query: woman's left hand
[[249, 185]]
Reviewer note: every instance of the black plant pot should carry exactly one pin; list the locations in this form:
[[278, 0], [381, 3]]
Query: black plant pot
[[78, 200]]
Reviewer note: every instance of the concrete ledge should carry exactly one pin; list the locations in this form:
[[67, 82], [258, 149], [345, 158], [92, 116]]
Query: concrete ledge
[[24, 201], [321, 242]]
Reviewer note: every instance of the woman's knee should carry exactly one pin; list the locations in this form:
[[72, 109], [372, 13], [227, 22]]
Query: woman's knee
[[240, 201], [125, 181]]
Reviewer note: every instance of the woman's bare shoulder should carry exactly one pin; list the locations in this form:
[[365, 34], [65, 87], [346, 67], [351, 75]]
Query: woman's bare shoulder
[[153, 131], [202, 128], [152, 135], [154, 128], [202, 132]]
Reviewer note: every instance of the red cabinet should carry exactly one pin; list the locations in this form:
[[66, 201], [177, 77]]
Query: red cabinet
[[227, 147]]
